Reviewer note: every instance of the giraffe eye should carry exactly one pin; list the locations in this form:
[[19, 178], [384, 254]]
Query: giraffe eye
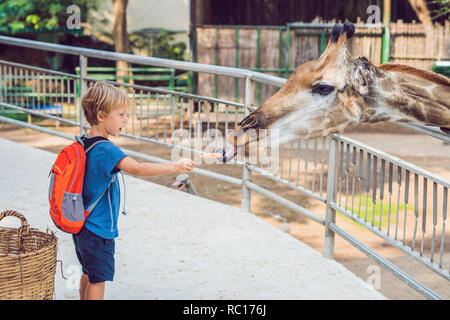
[[323, 89]]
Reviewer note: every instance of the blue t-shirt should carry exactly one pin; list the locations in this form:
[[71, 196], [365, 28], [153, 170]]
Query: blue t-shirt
[[100, 170]]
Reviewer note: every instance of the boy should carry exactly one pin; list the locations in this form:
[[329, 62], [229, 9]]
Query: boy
[[105, 108]]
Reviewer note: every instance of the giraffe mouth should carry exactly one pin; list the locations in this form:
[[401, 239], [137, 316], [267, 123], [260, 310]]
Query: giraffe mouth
[[247, 131], [238, 139]]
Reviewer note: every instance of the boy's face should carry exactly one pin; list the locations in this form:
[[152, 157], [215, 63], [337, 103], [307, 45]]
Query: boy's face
[[115, 121]]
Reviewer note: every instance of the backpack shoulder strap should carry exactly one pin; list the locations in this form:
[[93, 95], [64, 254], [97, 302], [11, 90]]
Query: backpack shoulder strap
[[92, 205], [94, 144], [91, 143], [80, 140]]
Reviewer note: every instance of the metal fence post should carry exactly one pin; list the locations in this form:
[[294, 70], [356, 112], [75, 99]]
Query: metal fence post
[[83, 89], [246, 175], [328, 247], [2, 85]]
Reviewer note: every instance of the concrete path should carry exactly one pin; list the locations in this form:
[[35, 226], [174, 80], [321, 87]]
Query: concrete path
[[173, 245]]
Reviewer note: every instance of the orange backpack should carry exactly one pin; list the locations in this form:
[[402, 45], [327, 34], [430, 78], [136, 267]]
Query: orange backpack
[[66, 187]]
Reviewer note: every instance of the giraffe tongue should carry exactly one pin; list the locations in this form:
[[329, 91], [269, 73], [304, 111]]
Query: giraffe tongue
[[228, 155]]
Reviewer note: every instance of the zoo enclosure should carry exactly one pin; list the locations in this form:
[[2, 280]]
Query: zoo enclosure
[[403, 204]]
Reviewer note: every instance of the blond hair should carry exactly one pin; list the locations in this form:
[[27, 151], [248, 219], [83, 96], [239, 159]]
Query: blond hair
[[102, 96]]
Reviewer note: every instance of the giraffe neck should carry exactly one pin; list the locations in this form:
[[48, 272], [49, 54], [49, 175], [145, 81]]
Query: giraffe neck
[[400, 96]]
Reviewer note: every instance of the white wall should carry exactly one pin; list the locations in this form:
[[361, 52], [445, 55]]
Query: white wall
[[172, 15], [168, 14]]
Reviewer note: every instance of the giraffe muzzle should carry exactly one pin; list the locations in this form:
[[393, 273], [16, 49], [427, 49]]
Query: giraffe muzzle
[[248, 129], [246, 132], [250, 121], [255, 120]]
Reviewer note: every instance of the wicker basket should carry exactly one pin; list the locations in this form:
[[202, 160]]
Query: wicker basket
[[27, 261]]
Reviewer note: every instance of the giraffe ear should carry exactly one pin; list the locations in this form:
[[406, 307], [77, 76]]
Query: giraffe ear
[[359, 81], [361, 76]]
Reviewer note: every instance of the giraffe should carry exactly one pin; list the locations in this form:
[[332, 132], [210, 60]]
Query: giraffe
[[337, 92]]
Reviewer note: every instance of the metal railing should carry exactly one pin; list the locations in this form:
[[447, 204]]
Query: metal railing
[[403, 204], [384, 193]]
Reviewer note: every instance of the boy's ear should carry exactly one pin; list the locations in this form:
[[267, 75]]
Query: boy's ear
[[101, 116]]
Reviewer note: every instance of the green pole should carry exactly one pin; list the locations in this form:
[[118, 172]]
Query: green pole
[[216, 62], [171, 80], [258, 64], [386, 39], [280, 51], [286, 54], [236, 81], [322, 41]]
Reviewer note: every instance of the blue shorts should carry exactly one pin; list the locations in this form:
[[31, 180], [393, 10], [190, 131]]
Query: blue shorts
[[96, 255]]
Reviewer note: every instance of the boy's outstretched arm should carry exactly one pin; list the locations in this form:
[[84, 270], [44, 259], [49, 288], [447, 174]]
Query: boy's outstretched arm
[[142, 169]]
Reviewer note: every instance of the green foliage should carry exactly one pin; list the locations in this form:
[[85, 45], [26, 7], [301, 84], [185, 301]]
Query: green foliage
[[36, 14], [161, 45], [164, 46], [374, 210], [440, 9]]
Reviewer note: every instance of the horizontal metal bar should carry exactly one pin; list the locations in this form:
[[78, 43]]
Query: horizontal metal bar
[[210, 174], [286, 183], [291, 205], [402, 163], [225, 26], [396, 243], [168, 145], [38, 114], [158, 70], [25, 66], [35, 127], [306, 25], [385, 263], [165, 91], [159, 62], [131, 153], [164, 144], [431, 131], [415, 58]]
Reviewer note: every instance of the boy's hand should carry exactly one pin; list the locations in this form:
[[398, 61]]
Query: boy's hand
[[184, 165]]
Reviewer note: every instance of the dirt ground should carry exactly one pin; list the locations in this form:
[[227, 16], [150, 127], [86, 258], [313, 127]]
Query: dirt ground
[[418, 149]]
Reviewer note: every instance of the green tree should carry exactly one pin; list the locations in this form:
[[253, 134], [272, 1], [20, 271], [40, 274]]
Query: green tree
[[37, 14], [164, 46], [441, 9], [429, 11]]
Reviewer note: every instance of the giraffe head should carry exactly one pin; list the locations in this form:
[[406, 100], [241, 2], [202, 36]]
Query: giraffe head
[[321, 97]]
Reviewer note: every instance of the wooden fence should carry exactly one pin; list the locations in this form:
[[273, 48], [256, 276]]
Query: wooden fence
[[415, 45], [263, 48]]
